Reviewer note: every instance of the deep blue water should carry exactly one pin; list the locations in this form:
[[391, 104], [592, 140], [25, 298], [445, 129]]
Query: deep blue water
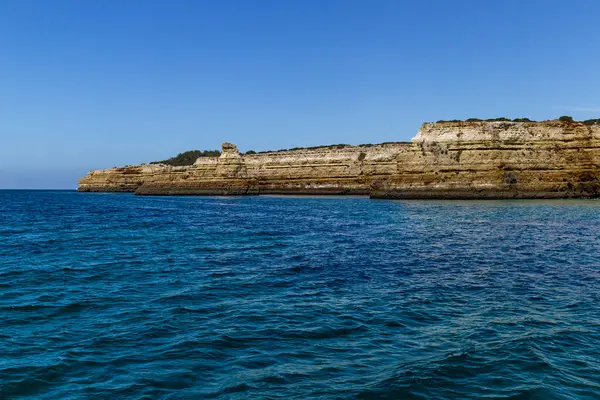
[[114, 296]]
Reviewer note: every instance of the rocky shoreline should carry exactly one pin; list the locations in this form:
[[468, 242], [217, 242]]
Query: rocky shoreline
[[445, 160]]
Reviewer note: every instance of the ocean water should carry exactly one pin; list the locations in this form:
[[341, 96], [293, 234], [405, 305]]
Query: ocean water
[[113, 296]]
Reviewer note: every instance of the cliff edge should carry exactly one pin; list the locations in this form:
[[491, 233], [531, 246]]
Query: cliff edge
[[449, 160]]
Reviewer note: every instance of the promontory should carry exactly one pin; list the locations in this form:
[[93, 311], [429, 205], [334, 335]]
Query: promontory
[[473, 159]]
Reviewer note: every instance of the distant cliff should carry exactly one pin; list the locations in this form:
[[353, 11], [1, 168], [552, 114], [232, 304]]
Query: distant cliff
[[454, 159]]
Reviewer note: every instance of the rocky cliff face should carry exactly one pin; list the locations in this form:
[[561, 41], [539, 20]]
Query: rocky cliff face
[[550, 159]]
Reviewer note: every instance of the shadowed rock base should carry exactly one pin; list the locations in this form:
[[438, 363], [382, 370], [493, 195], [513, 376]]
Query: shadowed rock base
[[466, 195]]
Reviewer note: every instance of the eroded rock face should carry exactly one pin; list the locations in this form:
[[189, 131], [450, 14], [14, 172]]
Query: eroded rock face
[[549, 159], [230, 148]]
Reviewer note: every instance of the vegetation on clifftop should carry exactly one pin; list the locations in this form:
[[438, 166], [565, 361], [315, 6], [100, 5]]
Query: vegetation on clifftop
[[188, 157], [325, 147], [588, 122], [564, 118], [502, 119]]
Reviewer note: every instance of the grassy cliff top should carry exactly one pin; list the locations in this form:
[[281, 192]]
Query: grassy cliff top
[[188, 157]]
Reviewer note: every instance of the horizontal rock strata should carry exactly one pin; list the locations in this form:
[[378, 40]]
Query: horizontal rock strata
[[453, 160]]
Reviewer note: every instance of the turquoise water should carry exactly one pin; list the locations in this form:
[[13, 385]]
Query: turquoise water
[[114, 296]]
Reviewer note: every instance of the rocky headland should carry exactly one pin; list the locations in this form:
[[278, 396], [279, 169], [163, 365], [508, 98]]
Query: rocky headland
[[445, 160]]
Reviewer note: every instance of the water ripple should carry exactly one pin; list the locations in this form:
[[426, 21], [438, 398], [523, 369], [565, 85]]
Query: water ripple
[[116, 296]]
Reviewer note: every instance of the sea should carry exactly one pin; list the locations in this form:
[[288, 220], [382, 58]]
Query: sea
[[114, 296]]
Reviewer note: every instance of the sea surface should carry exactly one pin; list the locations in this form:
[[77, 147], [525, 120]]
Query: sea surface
[[112, 296]]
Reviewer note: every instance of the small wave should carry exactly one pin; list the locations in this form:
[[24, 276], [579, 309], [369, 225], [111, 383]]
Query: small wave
[[229, 390], [325, 332]]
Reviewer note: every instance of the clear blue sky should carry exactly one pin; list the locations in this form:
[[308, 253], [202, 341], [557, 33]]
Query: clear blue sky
[[95, 84]]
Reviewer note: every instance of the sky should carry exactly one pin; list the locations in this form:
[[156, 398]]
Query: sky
[[101, 83]]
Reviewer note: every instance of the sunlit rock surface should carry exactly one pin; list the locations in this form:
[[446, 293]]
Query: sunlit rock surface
[[550, 159]]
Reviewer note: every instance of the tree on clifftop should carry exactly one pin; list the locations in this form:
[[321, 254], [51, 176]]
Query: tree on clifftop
[[188, 157]]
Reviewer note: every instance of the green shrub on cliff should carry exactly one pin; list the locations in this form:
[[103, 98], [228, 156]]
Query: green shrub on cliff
[[566, 118], [592, 122], [188, 157], [522, 120]]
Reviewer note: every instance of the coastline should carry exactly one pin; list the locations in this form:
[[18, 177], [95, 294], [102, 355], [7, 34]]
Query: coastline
[[445, 160]]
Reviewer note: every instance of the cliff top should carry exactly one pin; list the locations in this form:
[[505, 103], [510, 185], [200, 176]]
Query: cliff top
[[340, 146], [469, 129], [507, 131], [477, 121]]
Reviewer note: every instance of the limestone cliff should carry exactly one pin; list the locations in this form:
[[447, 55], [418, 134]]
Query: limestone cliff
[[551, 159]]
